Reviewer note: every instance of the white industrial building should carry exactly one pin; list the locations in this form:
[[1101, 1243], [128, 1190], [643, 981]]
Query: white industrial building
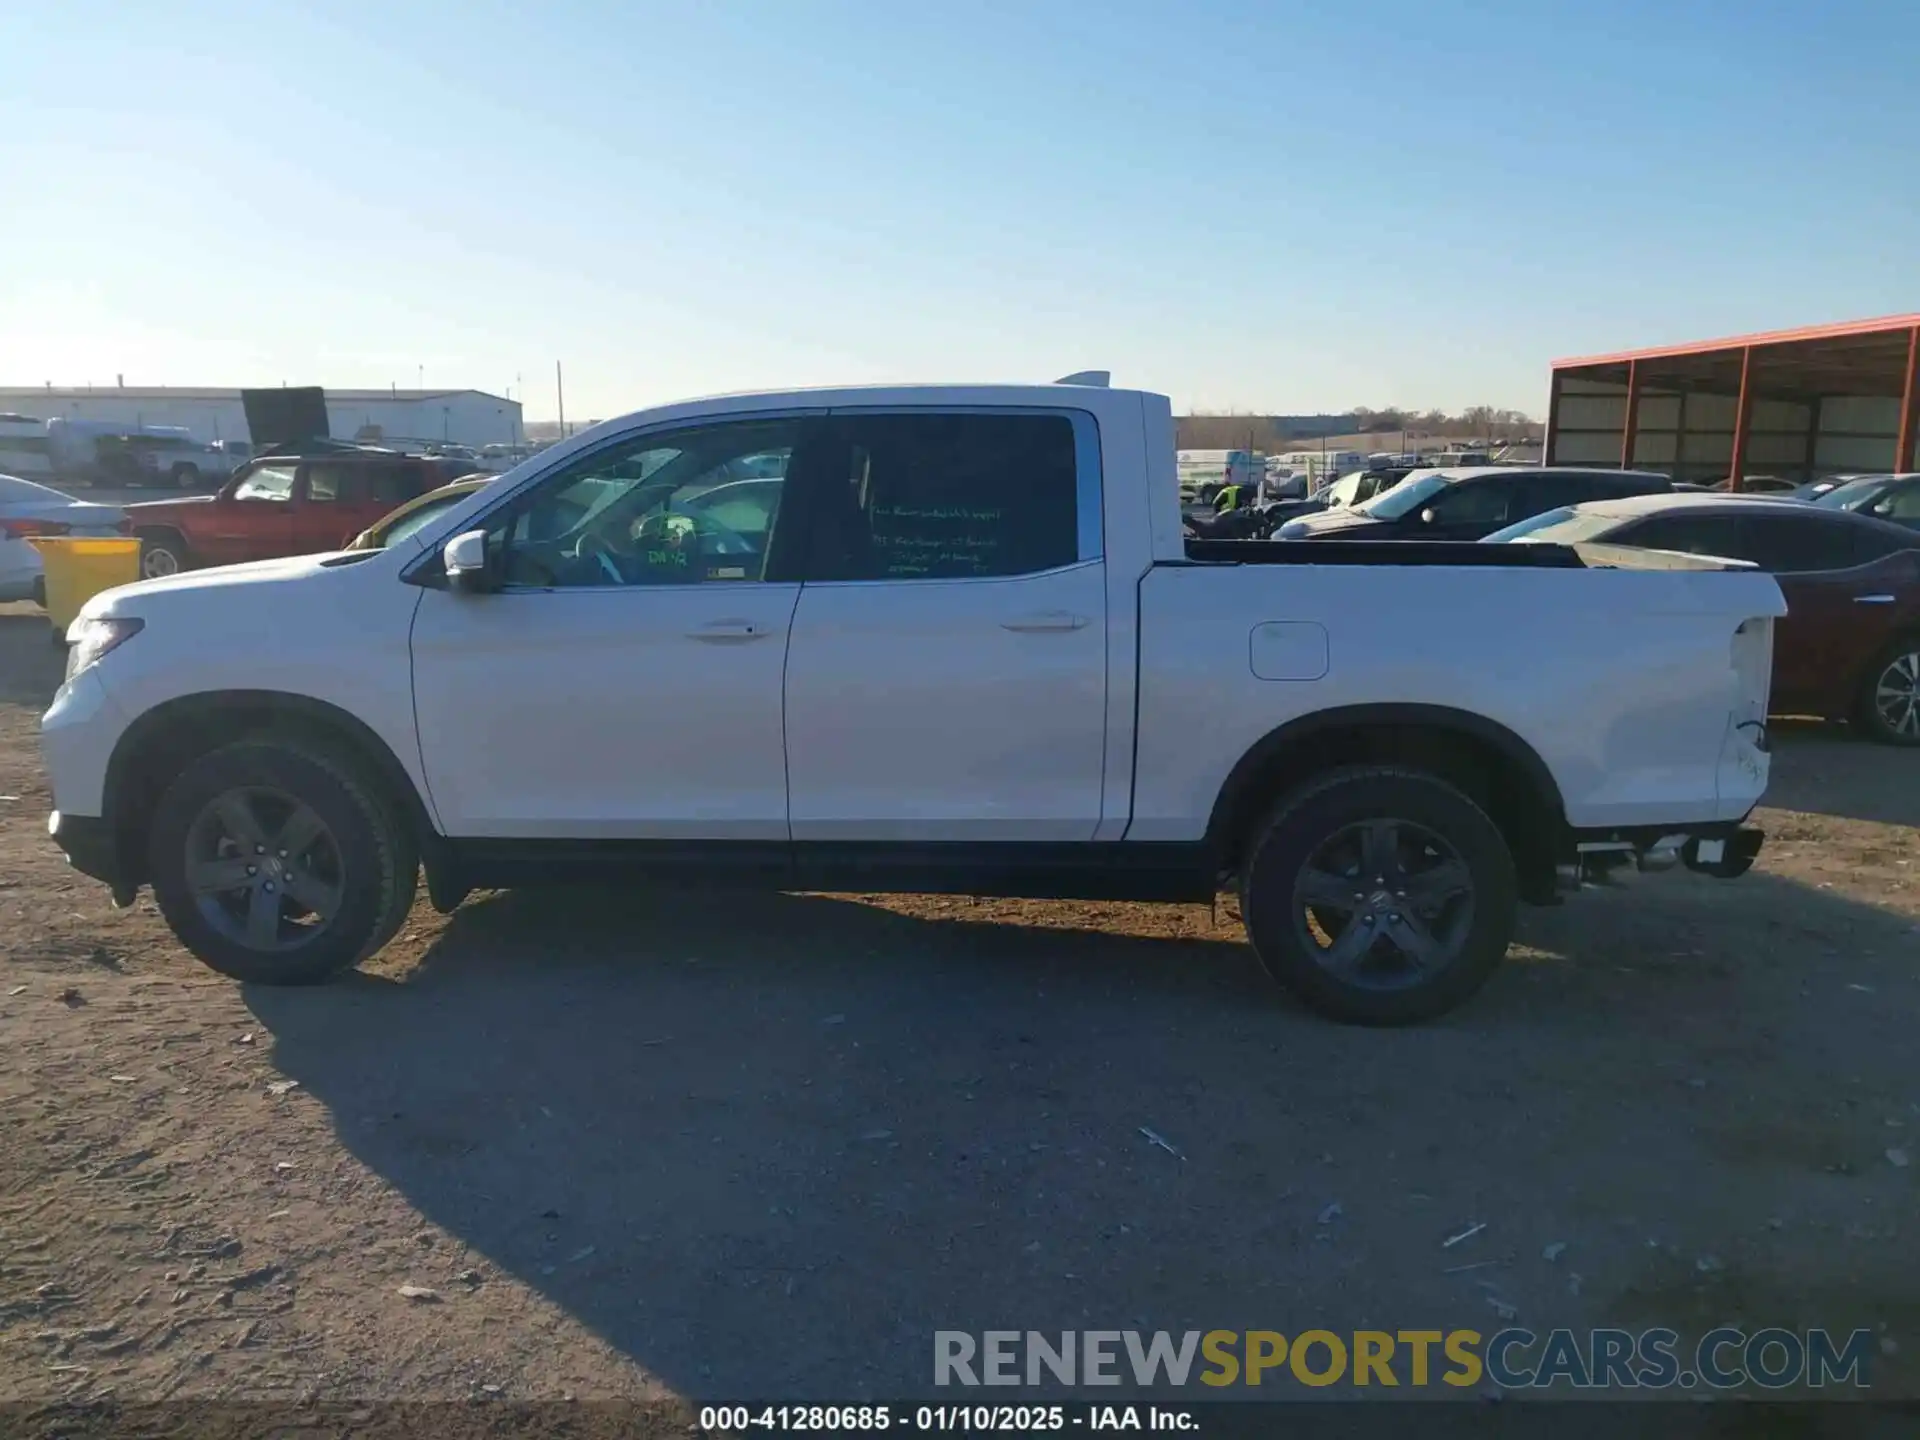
[[462, 417]]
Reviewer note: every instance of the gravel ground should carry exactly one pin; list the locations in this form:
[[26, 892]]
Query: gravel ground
[[655, 1143]]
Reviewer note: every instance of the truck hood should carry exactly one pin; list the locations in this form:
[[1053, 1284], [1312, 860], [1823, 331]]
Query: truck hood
[[234, 579], [148, 509], [1321, 524]]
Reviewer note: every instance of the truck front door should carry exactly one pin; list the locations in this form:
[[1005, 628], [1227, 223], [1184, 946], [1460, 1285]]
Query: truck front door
[[947, 675], [251, 520], [623, 679]]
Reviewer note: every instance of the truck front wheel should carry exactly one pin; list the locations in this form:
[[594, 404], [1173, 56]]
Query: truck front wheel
[[161, 553], [279, 862], [1379, 895]]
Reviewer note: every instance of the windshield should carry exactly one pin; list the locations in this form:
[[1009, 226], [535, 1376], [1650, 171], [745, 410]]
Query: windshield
[[1853, 495], [408, 524], [13, 490], [1565, 526], [1406, 497]]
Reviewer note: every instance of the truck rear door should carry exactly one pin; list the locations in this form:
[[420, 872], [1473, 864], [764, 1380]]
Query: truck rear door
[[340, 498], [946, 677]]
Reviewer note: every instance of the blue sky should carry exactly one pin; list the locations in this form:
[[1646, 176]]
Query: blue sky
[[1269, 206]]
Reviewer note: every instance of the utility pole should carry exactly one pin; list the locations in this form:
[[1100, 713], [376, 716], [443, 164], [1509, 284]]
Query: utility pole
[[560, 394]]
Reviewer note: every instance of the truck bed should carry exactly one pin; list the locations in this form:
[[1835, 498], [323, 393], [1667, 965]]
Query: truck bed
[[1382, 552], [1452, 553]]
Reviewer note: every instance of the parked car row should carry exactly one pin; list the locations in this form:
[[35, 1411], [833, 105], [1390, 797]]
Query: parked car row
[[283, 504], [1848, 560]]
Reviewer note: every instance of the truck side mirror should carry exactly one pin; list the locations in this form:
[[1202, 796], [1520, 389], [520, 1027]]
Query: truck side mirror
[[464, 558]]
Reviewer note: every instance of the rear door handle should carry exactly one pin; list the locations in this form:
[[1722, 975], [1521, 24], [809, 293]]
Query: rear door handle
[[1043, 620], [720, 630], [1873, 599]]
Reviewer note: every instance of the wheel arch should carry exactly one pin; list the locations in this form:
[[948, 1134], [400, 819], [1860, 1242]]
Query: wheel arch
[[1492, 764], [172, 734]]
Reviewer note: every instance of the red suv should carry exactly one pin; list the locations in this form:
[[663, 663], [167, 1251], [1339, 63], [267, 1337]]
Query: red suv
[[281, 505]]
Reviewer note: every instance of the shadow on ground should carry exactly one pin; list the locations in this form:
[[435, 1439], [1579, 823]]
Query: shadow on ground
[[31, 663], [1829, 770], [766, 1145]]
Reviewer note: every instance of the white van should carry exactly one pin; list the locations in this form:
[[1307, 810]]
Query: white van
[[1322, 467], [1208, 470]]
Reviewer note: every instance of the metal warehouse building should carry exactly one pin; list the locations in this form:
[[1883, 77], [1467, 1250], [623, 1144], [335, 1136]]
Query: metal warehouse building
[[1793, 403], [465, 417]]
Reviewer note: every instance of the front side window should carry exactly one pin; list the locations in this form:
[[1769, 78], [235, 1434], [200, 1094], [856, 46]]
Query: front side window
[[1482, 502], [268, 482], [671, 508], [947, 497]]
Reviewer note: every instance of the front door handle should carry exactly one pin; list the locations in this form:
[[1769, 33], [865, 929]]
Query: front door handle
[[720, 630], [1044, 620], [1873, 599]]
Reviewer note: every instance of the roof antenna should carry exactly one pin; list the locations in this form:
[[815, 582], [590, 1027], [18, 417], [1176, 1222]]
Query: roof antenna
[[1097, 378]]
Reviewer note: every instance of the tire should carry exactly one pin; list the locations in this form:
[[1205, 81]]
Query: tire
[[345, 884], [1348, 956], [163, 553], [1888, 709], [186, 477]]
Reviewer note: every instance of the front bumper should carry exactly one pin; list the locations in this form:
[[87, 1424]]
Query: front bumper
[[92, 848]]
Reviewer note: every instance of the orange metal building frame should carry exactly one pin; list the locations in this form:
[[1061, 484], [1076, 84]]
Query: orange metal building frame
[[1877, 358]]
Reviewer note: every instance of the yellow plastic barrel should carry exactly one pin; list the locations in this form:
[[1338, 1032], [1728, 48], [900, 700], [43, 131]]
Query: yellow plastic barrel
[[79, 569]]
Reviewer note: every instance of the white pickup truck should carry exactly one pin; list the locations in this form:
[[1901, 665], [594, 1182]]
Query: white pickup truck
[[940, 639]]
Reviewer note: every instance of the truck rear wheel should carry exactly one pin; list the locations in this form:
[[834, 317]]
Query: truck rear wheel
[[1379, 895], [161, 553], [277, 862], [1889, 702]]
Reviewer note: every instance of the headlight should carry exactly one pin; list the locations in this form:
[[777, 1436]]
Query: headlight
[[88, 640], [1293, 530]]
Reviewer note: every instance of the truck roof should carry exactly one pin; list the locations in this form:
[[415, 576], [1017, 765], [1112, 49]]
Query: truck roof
[[827, 396]]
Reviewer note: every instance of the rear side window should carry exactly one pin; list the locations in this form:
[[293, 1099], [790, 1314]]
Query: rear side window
[[391, 484], [329, 483], [1717, 535], [947, 496], [1551, 492], [1796, 544], [1875, 542], [1901, 502]]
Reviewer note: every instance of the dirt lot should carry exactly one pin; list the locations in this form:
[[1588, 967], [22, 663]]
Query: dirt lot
[[645, 1143]]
